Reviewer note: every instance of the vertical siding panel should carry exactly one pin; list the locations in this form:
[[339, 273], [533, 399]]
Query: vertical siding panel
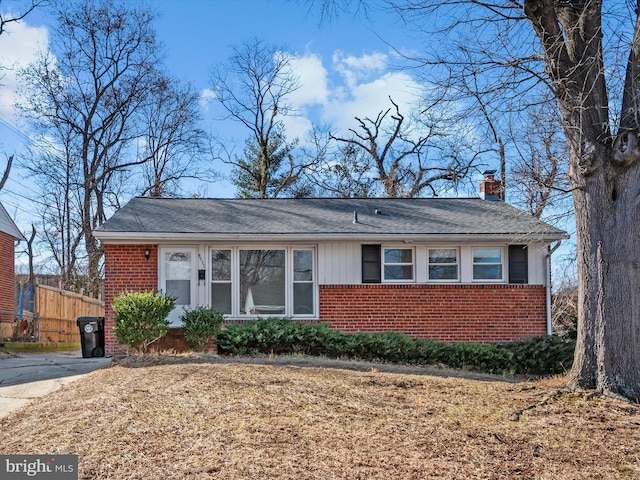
[[537, 255], [341, 263], [321, 262]]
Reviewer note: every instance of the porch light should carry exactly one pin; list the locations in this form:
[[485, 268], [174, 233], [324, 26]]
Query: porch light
[[147, 253]]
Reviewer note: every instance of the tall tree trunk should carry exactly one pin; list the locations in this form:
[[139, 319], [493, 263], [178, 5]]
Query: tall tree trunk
[[605, 174], [608, 221]]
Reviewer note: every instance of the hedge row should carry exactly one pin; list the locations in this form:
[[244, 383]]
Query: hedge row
[[281, 336]]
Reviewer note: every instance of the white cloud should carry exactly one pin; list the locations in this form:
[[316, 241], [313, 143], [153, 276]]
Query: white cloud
[[313, 81], [350, 86], [355, 70], [370, 98], [20, 44], [297, 126], [206, 97]]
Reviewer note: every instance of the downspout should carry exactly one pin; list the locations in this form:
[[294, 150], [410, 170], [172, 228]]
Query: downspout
[[548, 267]]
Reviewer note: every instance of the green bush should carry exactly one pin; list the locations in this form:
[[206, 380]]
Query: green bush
[[483, 357], [282, 336], [542, 355], [393, 347], [141, 318], [201, 325]]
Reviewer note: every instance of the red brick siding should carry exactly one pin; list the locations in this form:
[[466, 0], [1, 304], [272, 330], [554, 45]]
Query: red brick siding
[[476, 313], [126, 269], [7, 277]]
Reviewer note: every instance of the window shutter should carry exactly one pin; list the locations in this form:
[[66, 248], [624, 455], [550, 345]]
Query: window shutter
[[518, 264], [371, 271]]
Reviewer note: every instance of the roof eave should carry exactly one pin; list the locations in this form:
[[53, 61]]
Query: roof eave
[[146, 237]]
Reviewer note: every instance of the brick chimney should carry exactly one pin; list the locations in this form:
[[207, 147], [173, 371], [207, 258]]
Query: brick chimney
[[490, 188]]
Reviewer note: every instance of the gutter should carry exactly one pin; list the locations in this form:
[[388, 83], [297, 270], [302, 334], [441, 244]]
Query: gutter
[[253, 237], [548, 267]]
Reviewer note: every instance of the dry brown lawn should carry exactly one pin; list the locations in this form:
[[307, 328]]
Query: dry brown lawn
[[169, 417]]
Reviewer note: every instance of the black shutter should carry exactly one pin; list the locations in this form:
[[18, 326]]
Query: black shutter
[[371, 270], [518, 264]]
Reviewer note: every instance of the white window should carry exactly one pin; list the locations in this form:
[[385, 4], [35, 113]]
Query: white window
[[221, 280], [443, 264], [303, 282], [259, 282], [262, 282], [178, 270], [487, 263], [397, 264]]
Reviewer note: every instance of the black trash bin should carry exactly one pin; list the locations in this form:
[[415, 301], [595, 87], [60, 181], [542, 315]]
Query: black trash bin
[[91, 336]]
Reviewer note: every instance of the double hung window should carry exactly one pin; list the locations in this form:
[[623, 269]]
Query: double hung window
[[221, 280], [487, 263], [303, 285], [443, 264], [387, 264], [398, 264]]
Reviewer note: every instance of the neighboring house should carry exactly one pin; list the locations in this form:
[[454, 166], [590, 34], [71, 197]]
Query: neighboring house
[[450, 269], [9, 235]]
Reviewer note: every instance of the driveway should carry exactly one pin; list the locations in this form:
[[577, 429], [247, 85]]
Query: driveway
[[31, 375]]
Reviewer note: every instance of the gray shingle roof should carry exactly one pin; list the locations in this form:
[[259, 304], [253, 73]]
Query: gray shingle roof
[[147, 218], [7, 226]]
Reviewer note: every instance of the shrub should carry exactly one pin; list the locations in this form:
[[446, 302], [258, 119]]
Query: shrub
[[201, 325], [141, 318], [282, 336], [482, 357], [393, 347], [542, 355]]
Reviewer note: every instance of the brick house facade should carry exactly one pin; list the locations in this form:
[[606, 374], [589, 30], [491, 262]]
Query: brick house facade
[[447, 269], [9, 234]]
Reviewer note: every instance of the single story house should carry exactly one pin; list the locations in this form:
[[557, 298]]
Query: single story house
[[452, 269], [9, 235]]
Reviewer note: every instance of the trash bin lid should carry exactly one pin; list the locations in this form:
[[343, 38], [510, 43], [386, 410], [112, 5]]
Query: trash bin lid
[[82, 320]]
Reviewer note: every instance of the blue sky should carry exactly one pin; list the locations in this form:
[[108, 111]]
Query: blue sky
[[346, 67]]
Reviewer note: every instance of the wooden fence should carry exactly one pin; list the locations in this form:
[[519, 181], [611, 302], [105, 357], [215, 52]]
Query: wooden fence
[[57, 311]]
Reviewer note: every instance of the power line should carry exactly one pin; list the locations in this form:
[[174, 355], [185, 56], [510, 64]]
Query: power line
[[27, 198], [19, 133]]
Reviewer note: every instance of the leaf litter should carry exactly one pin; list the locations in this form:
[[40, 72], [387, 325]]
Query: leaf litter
[[201, 417]]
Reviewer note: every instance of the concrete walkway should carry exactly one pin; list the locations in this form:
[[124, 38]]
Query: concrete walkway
[[31, 375]]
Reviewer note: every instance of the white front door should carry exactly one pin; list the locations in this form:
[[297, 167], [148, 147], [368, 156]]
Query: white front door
[[178, 279]]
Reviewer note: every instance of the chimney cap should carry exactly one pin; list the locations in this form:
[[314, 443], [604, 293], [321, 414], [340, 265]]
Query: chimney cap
[[489, 172]]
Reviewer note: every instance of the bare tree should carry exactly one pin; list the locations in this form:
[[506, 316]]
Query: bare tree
[[565, 309], [6, 19], [345, 173], [7, 169], [605, 174], [253, 89], [489, 124], [174, 144], [518, 48], [400, 160], [539, 167], [90, 100], [26, 9], [56, 171]]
